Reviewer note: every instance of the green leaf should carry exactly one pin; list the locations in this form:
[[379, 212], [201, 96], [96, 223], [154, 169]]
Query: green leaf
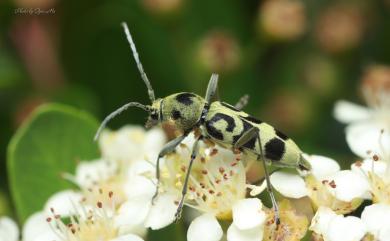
[[50, 143], [173, 232]]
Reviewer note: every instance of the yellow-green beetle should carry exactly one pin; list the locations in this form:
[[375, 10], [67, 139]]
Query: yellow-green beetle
[[224, 124]]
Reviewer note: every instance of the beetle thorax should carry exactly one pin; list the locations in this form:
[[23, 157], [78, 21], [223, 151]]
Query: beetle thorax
[[183, 110]]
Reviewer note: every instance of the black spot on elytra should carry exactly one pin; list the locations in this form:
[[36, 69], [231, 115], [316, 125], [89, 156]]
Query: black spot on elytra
[[275, 149], [252, 142], [214, 132], [185, 98], [176, 114], [252, 119], [230, 106], [281, 134]]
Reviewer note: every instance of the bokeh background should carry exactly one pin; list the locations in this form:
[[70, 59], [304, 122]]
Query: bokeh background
[[294, 58]]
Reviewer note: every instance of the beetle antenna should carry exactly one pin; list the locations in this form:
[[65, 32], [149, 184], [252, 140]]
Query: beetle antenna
[[139, 64], [117, 112]]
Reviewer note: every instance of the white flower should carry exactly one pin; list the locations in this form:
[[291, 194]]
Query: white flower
[[131, 143], [248, 224], [365, 123], [334, 227], [217, 188], [376, 169], [8, 230], [93, 224], [326, 185], [377, 219]]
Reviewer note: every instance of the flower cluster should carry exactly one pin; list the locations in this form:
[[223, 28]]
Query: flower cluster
[[115, 198]]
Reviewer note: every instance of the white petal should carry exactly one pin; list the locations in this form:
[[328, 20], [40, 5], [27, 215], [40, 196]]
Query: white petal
[[346, 229], [384, 234], [127, 237], [48, 235], [363, 137], [335, 227], [253, 234], [88, 172], [64, 203], [347, 112], [322, 219], [322, 166], [8, 229], [377, 218], [132, 213], [247, 213], [369, 165], [162, 213], [139, 186], [256, 190], [126, 144], [37, 227], [288, 184], [349, 185], [204, 228]]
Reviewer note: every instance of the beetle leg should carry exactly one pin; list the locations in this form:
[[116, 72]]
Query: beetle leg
[[212, 89], [168, 148], [195, 150], [247, 136], [269, 185], [242, 102]]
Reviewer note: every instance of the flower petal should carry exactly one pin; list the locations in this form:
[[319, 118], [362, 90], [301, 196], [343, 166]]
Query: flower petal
[[88, 172], [377, 218], [247, 213], [132, 213], [139, 186], [365, 138], [253, 234], [335, 227], [345, 229], [204, 228], [162, 213], [346, 185], [37, 227], [64, 202], [128, 237], [369, 165], [347, 112], [321, 220], [322, 166], [8, 229], [288, 184]]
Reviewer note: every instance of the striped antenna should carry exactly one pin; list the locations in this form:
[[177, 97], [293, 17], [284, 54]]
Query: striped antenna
[[117, 112], [139, 65]]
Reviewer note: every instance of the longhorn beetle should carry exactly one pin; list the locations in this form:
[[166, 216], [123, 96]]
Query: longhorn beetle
[[224, 124]]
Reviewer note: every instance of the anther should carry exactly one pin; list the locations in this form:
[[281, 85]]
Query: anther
[[99, 204], [110, 194], [332, 184], [213, 152]]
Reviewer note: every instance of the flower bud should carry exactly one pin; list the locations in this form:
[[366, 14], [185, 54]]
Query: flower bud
[[376, 85], [219, 52], [340, 28], [283, 19], [162, 7]]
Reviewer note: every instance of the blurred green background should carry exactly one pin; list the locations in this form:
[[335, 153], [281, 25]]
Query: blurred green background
[[294, 59]]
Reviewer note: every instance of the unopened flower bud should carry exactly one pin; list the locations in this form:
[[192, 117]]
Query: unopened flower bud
[[163, 7], [340, 28], [376, 85], [283, 19], [219, 52]]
